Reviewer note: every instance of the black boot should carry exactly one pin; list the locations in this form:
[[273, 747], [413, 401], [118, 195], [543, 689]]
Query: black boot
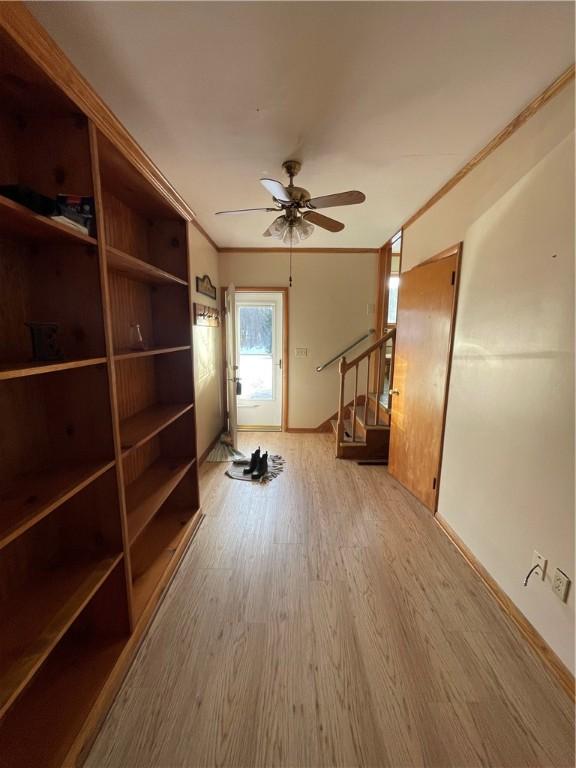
[[262, 467], [254, 459]]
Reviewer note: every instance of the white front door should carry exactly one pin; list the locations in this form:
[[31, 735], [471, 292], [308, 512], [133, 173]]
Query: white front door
[[259, 333]]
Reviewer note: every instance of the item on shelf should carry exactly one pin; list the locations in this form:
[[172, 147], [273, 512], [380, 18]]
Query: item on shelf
[[204, 286], [136, 339], [78, 209], [30, 199], [45, 347]]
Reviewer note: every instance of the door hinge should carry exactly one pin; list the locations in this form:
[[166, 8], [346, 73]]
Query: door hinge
[[434, 484], [453, 278]]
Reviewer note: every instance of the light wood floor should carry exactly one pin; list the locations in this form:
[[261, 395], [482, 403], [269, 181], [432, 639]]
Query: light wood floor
[[325, 620]]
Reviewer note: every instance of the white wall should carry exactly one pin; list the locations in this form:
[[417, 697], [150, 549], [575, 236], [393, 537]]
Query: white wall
[[207, 346], [507, 483], [328, 310]]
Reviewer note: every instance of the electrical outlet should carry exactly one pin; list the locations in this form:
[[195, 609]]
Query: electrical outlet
[[540, 560], [560, 584]]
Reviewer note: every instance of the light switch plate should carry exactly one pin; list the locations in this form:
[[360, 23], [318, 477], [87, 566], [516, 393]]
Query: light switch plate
[[370, 309], [540, 560], [301, 352]]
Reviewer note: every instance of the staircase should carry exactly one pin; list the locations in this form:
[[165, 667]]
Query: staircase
[[363, 425]]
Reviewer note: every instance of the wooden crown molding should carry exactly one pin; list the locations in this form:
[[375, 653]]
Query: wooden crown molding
[[528, 112], [23, 28], [299, 250]]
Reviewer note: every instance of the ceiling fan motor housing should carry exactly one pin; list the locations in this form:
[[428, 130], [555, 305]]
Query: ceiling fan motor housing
[[292, 167], [298, 195]]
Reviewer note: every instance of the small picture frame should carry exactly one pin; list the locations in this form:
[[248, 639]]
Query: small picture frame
[[205, 287]]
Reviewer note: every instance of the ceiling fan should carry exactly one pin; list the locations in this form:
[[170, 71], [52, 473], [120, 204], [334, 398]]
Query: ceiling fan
[[299, 210]]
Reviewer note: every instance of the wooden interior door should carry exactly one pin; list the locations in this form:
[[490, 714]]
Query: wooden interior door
[[426, 313], [231, 364]]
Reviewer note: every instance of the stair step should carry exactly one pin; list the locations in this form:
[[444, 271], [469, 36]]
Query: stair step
[[347, 433], [360, 417]]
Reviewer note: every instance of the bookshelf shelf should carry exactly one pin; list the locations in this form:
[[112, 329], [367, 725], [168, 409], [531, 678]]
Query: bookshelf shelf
[[38, 616], [146, 495], [18, 370], [18, 221], [144, 425], [36, 495], [155, 550], [140, 270], [133, 354]]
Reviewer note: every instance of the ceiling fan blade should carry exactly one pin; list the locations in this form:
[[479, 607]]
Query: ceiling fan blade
[[276, 190], [246, 210], [323, 221], [341, 198]]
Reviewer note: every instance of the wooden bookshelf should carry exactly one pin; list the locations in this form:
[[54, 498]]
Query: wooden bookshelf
[[98, 472]]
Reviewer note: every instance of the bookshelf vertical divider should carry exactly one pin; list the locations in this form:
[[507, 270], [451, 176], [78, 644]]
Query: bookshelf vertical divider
[[99, 475], [104, 287]]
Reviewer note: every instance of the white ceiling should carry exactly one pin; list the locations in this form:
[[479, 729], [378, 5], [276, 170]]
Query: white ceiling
[[387, 97]]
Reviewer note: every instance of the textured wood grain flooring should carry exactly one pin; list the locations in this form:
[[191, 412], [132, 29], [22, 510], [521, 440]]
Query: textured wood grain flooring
[[325, 620]]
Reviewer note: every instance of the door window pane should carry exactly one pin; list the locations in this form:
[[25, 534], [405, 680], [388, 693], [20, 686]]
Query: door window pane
[[255, 332], [393, 285]]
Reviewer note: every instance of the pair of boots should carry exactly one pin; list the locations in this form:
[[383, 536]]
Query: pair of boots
[[258, 465]]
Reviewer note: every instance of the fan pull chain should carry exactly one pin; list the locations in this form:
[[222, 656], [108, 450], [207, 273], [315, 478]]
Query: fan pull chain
[[290, 277]]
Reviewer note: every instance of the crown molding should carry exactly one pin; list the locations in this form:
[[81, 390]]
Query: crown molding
[[529, 111], [299, 250]]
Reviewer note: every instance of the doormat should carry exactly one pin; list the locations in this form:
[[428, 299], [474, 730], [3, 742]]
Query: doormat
[[275, 466]]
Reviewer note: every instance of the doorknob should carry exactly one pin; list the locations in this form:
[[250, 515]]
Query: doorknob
[[393, 391]]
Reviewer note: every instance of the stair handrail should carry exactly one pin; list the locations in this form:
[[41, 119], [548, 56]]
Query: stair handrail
[[368, 333], [345, 366], [390, 334]]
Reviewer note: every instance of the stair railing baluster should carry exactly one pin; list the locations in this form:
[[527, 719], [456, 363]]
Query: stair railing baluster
[[367, 400], [340, 424], [354, 404], [378, 386], [391, 371]]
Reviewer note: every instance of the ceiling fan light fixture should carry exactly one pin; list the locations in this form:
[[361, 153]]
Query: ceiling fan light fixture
[[296, 231], [277, 228], [305, 228]]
